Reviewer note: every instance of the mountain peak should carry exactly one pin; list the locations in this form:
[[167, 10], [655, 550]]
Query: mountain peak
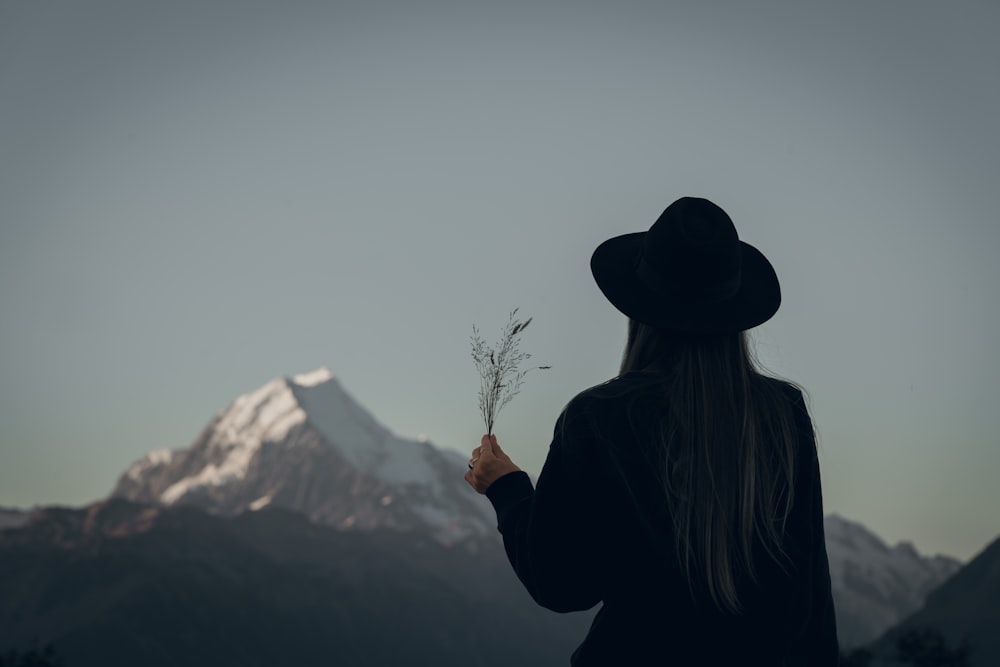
[[304, 443], [319, 376]]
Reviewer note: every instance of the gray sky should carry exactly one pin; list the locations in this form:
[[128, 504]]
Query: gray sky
[[197, 197]]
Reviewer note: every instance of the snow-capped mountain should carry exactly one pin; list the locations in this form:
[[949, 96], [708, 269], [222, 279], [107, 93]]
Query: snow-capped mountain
[[304, 443], [875, 586]]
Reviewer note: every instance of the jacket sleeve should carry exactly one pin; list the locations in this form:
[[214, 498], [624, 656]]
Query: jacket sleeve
[[816, 644], [550, 532]]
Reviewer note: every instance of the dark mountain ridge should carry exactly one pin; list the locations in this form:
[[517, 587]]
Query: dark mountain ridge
[[119, 583], [965, 608]]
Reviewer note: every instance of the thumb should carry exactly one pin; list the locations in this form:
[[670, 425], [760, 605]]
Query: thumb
[[495, 448], [486, 445]]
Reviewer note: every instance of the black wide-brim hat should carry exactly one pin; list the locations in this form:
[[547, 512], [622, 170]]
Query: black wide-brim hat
[[690, 272]]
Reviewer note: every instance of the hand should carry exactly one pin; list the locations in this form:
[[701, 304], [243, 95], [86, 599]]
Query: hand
[[488, 464]]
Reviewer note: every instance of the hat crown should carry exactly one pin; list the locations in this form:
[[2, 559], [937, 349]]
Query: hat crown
[[693, 250]]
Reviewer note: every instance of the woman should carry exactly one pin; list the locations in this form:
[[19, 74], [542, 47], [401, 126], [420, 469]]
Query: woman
[[684, 494]]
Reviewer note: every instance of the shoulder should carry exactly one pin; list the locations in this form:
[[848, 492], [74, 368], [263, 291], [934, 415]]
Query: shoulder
[[792, 403], [614, 391], [611, 400], [785, 390]]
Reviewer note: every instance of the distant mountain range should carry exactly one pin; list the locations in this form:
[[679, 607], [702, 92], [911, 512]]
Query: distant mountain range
[[12, 518], [204, 536], [876, 586]]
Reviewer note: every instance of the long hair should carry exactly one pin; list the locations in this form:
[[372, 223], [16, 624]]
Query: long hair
[[727, 445]]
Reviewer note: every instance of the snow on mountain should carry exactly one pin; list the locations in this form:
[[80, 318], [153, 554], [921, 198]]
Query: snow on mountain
[[304, 443], [875, 586]]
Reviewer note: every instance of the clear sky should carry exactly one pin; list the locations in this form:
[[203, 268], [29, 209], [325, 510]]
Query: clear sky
[[198, 197]]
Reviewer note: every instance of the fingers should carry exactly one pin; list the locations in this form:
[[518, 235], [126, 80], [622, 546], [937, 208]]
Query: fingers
[[488, 463], [473, 478], [496, 451], [489, 444]]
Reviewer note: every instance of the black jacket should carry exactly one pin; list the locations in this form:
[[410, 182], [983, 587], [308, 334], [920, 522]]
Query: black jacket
[[596, 529]]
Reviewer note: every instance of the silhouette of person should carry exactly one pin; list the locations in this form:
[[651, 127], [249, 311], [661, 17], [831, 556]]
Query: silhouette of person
[[684, 494]]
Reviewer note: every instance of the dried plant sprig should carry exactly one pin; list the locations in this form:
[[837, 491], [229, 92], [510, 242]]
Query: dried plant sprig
[[499, 369]]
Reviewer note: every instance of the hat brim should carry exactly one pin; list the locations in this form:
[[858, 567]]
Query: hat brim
[[754, 302]]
